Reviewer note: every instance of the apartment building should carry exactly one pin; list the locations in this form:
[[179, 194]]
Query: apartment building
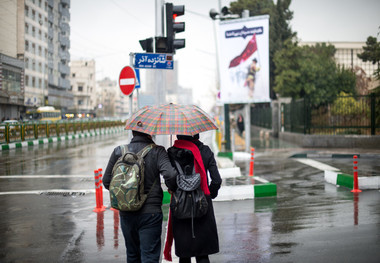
[[83, 88], [58, 54], [35, 46], [11, 62], [111, 102]]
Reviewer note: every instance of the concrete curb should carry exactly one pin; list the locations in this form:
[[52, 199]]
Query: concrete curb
[[346, 180], [57, 139], [239, 192]]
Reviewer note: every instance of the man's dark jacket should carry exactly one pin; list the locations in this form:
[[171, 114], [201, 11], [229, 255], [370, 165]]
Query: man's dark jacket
[[156, 162]]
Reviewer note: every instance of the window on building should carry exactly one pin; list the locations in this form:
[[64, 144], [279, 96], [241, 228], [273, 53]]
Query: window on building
[[27, 63], [80, 102], [26, 28], [40, 51], [34, 48], [26, 11], [33, 65], [33, 82], [33, 31], [80, 88], [39, 83], [26, 45], [33, 14], [11, 80], [73, 75], [26, 80]]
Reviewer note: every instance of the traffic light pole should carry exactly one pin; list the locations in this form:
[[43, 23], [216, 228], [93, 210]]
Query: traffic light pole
[[159, 80]]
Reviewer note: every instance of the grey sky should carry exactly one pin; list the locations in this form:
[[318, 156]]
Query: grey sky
[[336, 20]]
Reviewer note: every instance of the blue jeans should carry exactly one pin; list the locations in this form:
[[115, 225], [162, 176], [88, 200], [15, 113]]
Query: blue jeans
[[142, 234]]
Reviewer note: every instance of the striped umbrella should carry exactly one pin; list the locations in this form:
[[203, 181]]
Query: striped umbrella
[[170, 119]]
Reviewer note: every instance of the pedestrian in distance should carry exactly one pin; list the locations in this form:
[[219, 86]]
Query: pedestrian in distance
[[142, 229], [240, 124], [196, 237]]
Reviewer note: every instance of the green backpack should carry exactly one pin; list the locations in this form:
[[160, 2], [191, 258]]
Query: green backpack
[[127, 183]]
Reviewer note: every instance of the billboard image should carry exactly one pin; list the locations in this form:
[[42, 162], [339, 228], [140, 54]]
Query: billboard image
[[244, 60]]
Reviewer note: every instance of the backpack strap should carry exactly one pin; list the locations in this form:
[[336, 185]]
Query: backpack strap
[[179, 168], [145, 150]]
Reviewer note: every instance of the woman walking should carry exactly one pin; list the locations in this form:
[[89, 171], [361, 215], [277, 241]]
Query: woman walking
[[198, 238]]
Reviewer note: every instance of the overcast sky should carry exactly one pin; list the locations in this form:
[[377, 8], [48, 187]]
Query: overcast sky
[[109, 30]]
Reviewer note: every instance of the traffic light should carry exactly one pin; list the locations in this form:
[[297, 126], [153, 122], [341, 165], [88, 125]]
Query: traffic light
[[172, 27], [161, 45], [147, 45]]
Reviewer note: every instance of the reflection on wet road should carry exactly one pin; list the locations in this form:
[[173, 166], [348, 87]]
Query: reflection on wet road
[[47, 198]]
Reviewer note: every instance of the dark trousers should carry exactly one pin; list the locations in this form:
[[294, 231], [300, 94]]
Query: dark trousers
[[142, 234], [200, 259]]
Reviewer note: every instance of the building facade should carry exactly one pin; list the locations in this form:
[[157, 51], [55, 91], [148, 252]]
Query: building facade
[[111, 102], [58, 54], [12, 68], [83, 88], [36, 34], [347, 55]]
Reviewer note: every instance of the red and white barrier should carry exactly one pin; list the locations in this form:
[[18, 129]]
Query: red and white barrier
[[252, 163], [356, 180], [98, 192]]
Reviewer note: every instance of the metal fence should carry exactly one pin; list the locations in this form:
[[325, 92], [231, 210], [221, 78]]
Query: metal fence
[[358, 115], [36, 130], [261, 115]]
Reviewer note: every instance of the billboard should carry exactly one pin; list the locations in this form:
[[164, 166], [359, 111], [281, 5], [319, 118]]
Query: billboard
[[244, 60]]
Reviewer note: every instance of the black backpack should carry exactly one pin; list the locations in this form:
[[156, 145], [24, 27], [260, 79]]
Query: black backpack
[[188, 201]]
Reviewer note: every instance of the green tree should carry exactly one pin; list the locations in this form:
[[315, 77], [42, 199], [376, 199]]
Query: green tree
[[311, 71], [371, 53], [279, 28]]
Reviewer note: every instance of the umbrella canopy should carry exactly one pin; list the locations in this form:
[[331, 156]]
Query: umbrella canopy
[[170, 119]]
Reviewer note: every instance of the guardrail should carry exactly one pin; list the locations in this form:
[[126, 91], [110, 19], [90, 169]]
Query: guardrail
[[35, 130]]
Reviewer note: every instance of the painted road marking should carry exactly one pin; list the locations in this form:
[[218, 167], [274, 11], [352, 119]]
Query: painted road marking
[[50, 191], [43, 176], [318, 165]]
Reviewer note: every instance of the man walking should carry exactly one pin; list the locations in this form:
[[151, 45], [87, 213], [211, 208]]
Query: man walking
[[142, 229]]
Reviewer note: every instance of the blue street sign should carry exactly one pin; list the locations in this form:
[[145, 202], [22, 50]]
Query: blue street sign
[[153, 61], [138, 83]]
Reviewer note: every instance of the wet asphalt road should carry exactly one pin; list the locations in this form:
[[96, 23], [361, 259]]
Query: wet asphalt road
[[308, 221]]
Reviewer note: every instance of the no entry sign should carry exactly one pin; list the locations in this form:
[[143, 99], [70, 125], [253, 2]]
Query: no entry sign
[[127, 80]]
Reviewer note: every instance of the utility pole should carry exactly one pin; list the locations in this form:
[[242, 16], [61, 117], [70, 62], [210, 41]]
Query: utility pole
[[247, 110]]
